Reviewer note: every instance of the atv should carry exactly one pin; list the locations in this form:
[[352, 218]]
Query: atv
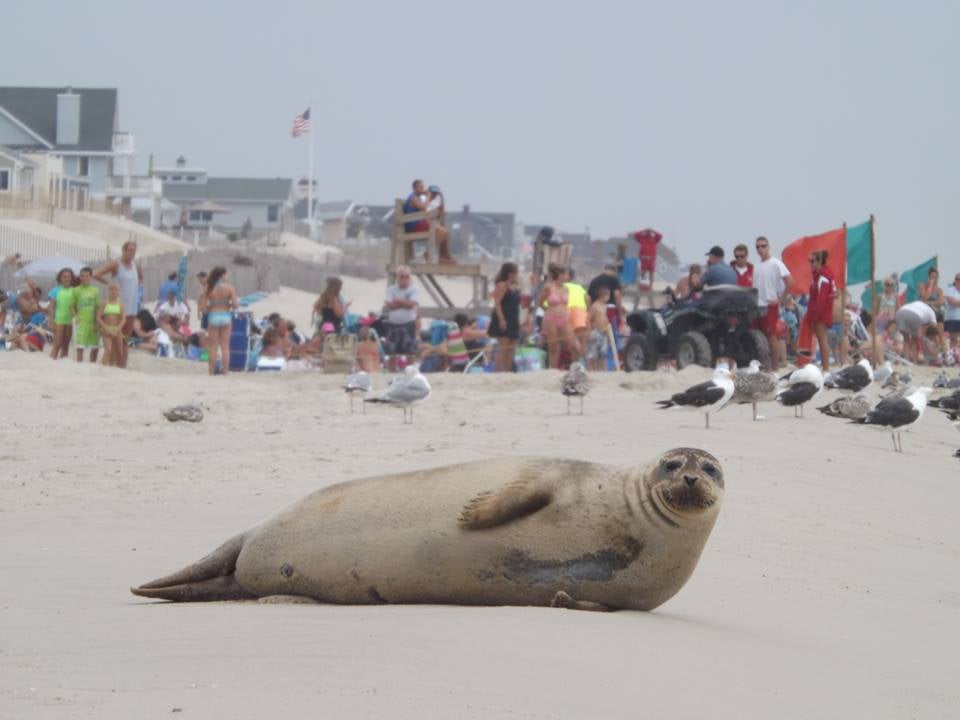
[[717, 326]]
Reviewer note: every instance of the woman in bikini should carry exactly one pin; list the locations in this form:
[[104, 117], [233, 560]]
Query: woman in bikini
[[219, 300], [110, 317], [556, 319]]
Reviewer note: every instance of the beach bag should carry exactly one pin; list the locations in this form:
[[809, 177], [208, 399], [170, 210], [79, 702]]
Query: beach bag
[[339, 353]]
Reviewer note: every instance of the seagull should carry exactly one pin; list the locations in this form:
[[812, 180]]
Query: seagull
[[802, 386], [883, 373], [575, 383], [753, 386], [943, 382], [855, 377], [708, 396], [947, 402], [898, 414], [849, 407], [409, 390], [954, 417], [360, 383]]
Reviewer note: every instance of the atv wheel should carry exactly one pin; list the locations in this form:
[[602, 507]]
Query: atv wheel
[[693, 348], [638, 354], [754, 346]]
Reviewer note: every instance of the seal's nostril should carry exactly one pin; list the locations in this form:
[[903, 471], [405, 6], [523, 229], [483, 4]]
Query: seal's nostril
[[690, 479]]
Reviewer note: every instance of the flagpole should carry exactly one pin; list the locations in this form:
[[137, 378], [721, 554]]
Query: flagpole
[[875, 300], [310, 175]]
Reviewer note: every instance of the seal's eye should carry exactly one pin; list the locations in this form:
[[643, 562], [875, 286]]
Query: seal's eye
[[672, 465], [710, 469]]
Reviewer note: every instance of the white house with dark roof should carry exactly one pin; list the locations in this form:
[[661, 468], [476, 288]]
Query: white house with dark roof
[[79, 125], [227, 202]]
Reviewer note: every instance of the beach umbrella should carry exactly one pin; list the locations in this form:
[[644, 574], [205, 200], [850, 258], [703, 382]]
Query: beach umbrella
[[46, 268], [182, 278]]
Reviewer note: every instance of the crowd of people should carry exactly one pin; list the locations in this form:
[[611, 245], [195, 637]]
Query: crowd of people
[[558, 315]]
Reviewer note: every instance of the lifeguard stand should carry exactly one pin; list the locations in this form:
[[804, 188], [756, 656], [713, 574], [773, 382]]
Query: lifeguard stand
[[402, 252]]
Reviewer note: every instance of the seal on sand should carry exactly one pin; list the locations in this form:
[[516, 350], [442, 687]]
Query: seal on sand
[[515, 531]]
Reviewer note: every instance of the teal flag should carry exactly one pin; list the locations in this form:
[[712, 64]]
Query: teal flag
[[913, 277], [866, 297], [858, 253]]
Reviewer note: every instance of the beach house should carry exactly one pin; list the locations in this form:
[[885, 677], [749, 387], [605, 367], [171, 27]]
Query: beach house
[[78, 125], [227, 202]]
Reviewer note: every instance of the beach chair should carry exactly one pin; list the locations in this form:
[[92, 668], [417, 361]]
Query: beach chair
[[339, 353]]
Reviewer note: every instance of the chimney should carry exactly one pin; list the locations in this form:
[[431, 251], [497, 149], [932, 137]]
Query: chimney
[[68, 117], [181, 162]]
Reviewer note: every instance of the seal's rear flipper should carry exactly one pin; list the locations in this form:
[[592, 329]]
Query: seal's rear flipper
[[519, 498], [210, 578]]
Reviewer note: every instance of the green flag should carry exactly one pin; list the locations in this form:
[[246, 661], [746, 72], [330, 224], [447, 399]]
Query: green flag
[[866, 297], [858, 253], [913, 277]]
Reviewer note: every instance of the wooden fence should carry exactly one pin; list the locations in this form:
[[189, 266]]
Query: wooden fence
[[31, 246]]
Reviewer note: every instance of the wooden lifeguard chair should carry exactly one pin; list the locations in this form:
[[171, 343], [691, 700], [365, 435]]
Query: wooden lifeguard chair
[[403, 252]]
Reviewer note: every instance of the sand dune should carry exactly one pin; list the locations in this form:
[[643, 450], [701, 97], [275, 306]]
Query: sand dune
[[828, 589]]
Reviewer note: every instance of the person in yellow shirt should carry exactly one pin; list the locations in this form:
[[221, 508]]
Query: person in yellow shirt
[[577, 308]]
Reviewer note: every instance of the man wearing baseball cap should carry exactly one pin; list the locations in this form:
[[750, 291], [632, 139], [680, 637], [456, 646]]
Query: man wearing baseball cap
[[718, 272]]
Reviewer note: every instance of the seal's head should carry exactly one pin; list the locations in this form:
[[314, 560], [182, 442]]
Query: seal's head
[[686, 484]]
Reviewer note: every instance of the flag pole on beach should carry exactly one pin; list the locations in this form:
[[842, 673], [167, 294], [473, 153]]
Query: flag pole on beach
[[302, 125], [310, 176], [875, 300]]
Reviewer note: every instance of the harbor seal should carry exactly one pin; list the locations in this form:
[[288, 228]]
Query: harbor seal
[[514, 531]]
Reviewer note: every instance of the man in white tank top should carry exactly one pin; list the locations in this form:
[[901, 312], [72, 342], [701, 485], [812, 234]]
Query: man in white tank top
[[129, 276]]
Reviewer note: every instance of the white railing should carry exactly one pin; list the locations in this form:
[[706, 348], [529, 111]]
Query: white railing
[[116, 184], [31, 246], [123, 143]]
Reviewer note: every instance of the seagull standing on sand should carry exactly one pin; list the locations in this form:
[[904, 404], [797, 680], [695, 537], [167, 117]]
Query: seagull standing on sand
[[947, 402], [883, 373], [954, 417], [854, 378], [752, 386], [708, 396], [575, 383], [409, 390], [803, 385], [358, 384], [897, 414], [850, 407]]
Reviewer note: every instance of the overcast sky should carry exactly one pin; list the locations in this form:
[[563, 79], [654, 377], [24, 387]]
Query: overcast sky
[[709, 121]]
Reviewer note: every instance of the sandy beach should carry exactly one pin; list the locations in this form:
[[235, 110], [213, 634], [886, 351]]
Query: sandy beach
[[828, 588]]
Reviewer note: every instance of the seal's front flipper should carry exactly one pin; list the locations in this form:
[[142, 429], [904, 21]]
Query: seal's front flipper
[[288, 600], [563, 600], [513, 501]]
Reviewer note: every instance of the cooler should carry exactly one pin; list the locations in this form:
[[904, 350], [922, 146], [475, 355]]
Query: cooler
[[240, 341]]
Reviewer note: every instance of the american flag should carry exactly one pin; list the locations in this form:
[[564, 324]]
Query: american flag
[[301, 123]]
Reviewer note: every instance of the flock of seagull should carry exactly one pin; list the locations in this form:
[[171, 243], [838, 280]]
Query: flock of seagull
[[902, 408], [899, 410]]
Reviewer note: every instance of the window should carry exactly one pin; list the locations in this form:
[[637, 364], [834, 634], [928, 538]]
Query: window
[[176, 178], [201, 216], [273, 213], [83, 166], [4, 181], [191, 178], [194, 216]]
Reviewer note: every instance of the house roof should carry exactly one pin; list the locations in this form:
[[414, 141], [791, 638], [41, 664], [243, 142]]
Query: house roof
[[36, 108], [335, 210], [222, 189], [12, 154]]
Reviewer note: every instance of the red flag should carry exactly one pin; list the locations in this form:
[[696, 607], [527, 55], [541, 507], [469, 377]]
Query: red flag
[[796, 256]]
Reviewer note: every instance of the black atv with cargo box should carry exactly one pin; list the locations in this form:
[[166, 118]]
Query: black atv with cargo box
[[719, 325]]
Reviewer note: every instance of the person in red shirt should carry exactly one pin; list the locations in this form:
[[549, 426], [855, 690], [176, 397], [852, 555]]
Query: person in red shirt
[[823, 291], [743, 268], [648, 239]]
